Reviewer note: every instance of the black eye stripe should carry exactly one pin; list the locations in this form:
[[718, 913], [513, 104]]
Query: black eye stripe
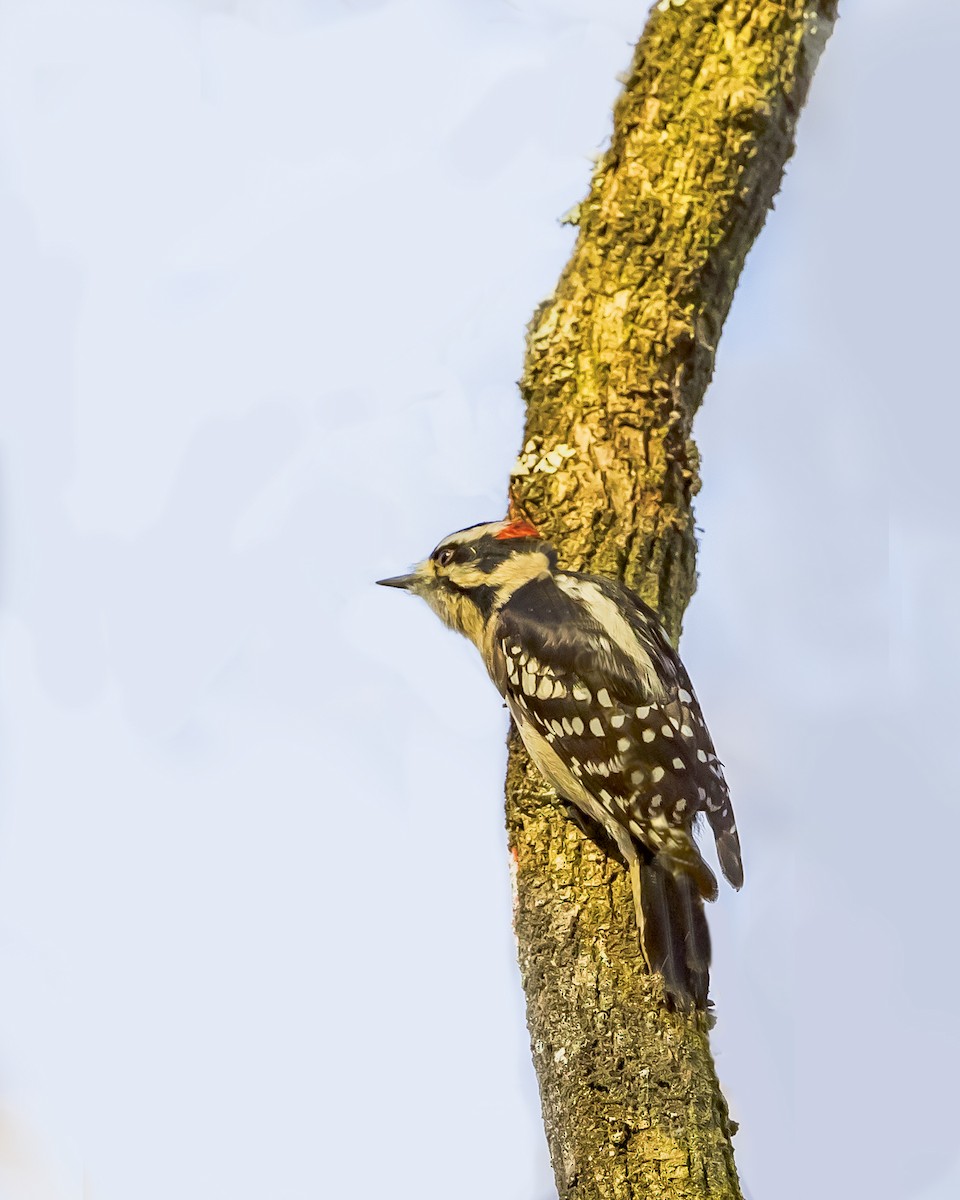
[[445, 555]]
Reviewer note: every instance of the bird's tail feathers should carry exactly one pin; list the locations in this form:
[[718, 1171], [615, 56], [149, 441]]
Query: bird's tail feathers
[[673, 929]]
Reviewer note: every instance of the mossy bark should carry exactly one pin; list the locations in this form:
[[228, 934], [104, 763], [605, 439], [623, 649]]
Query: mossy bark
[[617, 363]]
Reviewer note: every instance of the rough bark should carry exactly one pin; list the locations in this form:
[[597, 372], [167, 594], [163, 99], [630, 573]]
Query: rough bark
[[617, 363]]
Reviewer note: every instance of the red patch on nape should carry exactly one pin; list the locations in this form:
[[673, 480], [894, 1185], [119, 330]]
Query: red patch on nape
[[517, 529]]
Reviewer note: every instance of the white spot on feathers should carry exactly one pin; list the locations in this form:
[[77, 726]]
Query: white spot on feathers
[[581, 693], [617, 720], [685, 696], [648, 735], [678, 764], [623, 744], [578, 726], [657, 774], [603, 697], [595, 727]]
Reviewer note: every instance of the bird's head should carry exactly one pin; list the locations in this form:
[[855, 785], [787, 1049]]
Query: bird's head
[[472, 573]]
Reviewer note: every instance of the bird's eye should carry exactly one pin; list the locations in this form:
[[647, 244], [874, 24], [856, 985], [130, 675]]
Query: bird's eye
[[445, 557]]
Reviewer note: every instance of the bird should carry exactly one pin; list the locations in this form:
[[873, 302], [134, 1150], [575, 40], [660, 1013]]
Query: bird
[[608, 715]]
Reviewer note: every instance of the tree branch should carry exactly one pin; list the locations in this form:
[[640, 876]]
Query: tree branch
[[618, 360]]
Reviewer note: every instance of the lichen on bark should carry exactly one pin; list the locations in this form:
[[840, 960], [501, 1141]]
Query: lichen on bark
[[618, 359]]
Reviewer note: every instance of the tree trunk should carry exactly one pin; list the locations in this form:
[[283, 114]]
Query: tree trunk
[[617, 363]]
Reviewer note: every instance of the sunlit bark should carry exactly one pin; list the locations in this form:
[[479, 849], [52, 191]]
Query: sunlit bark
[[617, 364]]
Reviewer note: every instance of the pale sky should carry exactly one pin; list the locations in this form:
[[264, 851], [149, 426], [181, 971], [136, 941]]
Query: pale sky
[[267, 268]]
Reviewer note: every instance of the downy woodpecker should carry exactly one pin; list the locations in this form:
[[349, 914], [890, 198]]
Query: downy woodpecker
[[606, 710]]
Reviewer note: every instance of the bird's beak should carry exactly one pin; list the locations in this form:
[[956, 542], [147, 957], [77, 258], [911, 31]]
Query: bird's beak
[[407, 582]]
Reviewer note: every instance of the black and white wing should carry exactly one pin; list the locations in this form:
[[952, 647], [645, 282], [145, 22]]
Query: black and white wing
[[585, 666]]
